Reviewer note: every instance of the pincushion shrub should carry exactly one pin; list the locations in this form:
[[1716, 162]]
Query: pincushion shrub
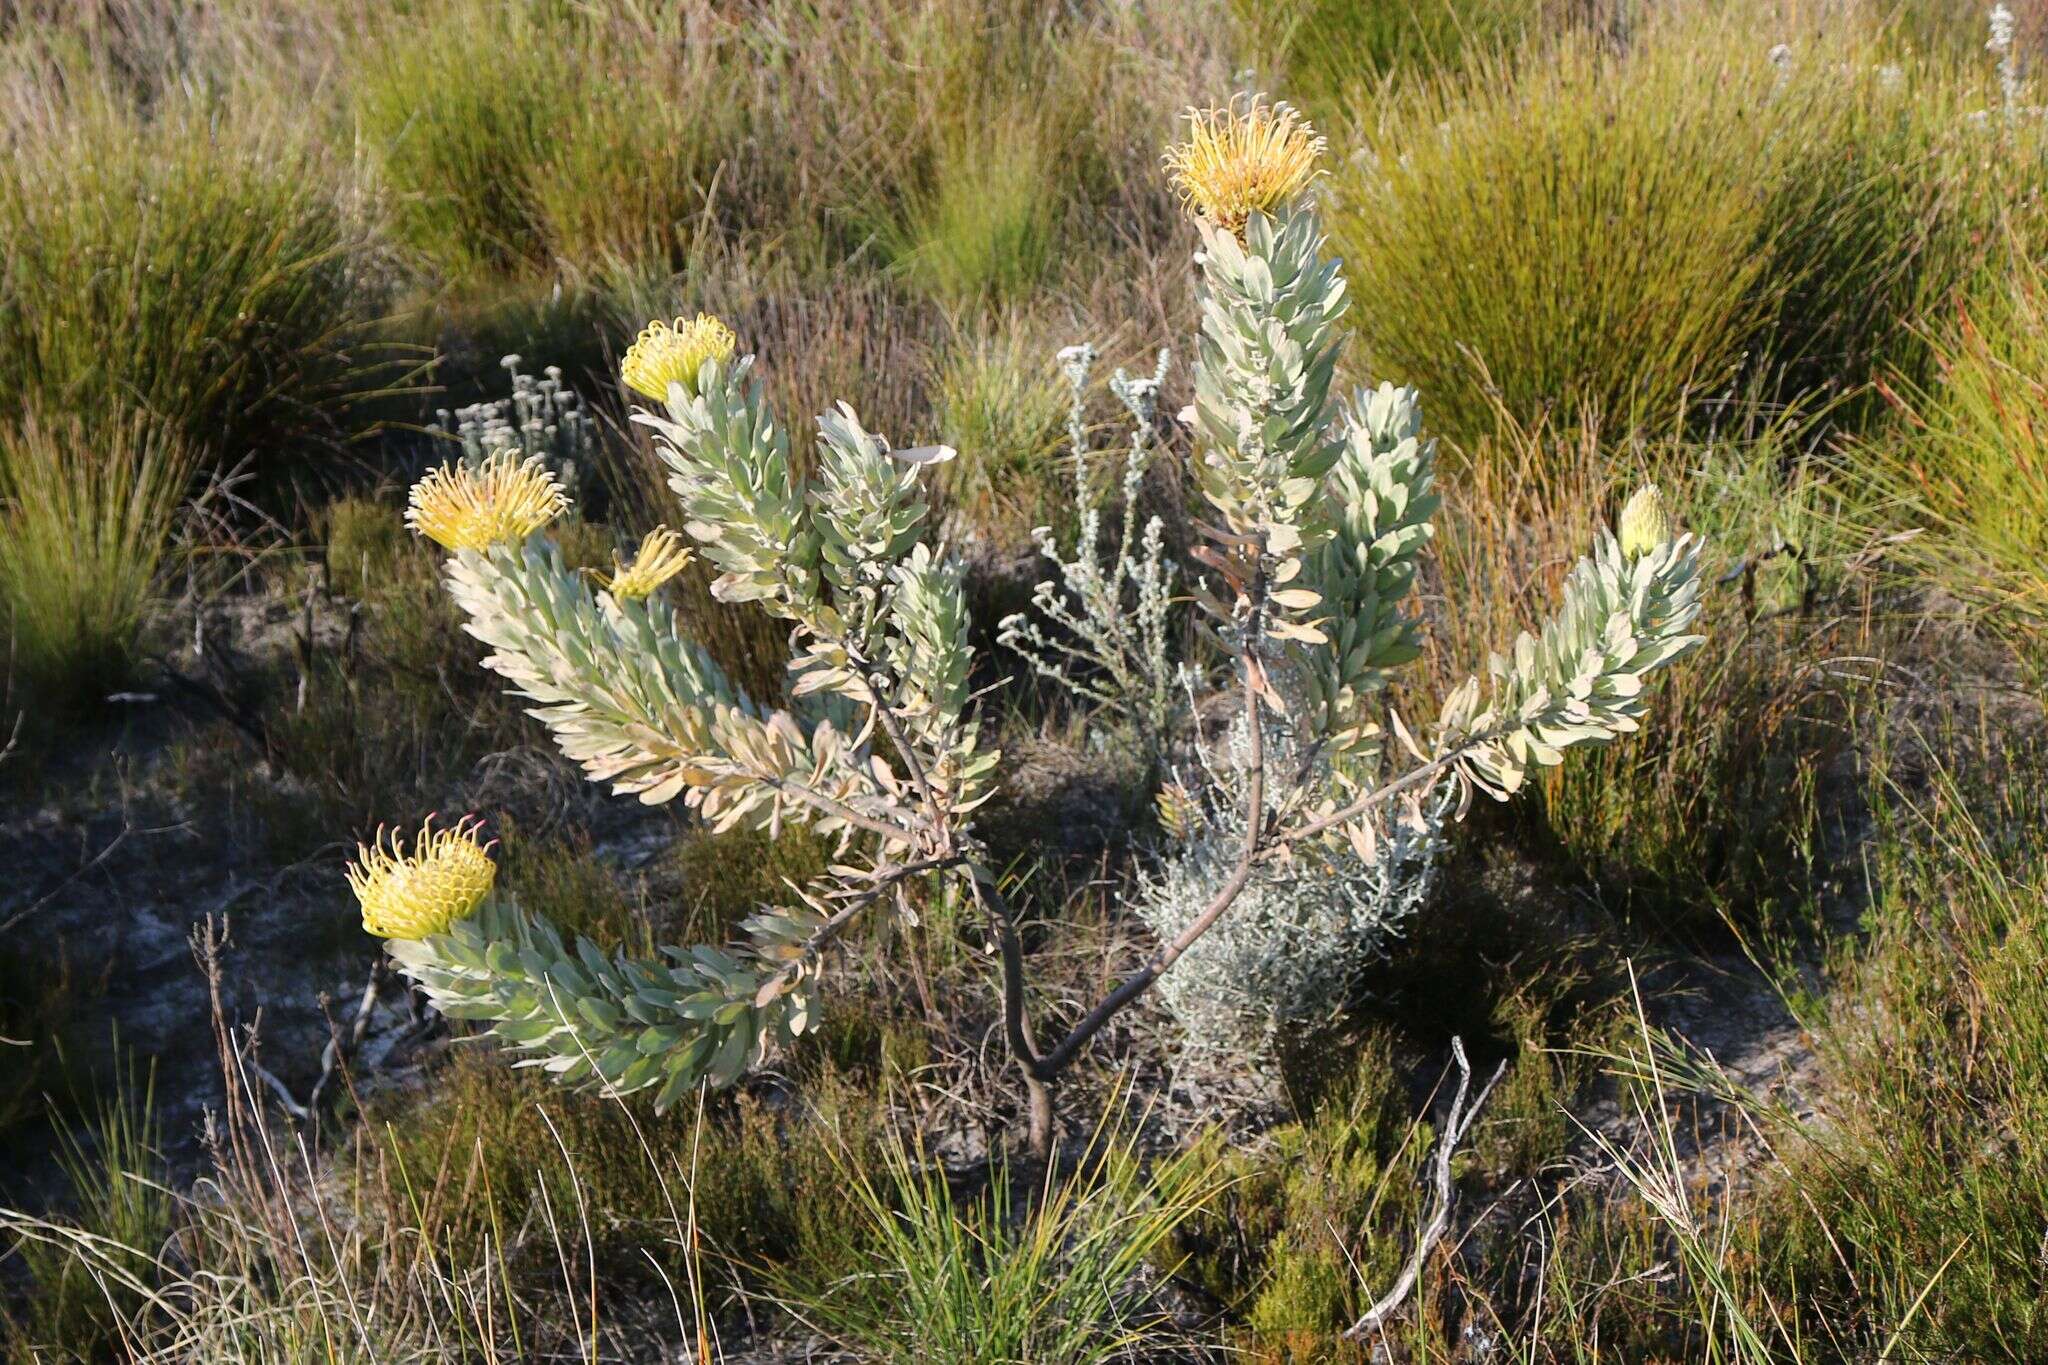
[[1315, 508]]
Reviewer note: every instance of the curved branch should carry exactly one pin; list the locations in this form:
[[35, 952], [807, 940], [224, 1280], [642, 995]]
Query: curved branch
[[1456, 1125], [831, 805], [1414, 777], [1053, 1062]]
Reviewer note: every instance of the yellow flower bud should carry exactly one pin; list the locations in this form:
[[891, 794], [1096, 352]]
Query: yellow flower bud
[[416, 895], [662, 556], [1238, 161], [665, 355], [471, 507], [1644, 523]]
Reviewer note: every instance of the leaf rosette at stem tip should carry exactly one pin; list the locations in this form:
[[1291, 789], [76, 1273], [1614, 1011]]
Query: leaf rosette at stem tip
[[730, 466], [619, 1024], [1581, 679]]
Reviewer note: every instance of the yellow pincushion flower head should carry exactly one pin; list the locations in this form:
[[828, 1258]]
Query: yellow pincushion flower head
[[661, 557], [1644, 523], [664, 355], [418, 894], [503, 500], [1243, 158]]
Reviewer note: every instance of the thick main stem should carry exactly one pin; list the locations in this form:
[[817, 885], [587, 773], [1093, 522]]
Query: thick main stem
[[1041, 1070], [1226, 895]]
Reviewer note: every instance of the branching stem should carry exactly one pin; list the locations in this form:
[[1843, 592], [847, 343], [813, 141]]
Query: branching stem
[[1456, 1124]]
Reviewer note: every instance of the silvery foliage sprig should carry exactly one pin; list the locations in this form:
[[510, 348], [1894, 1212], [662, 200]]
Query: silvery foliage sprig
[[543, 416], [615, 1023], [1293, 950], [1111, 629], [1580, 680], [1269, 345], [1381, 494], [1331, 503], [842, 557], [641, 706], [881, 642]]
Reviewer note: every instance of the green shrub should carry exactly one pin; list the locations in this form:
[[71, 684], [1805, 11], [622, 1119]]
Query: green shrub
[[1891, 188], [183, 268], [642, 160], [967, 132], [1577, 233], [458, 102], [1623, 233], [984, 226], [86, 513]]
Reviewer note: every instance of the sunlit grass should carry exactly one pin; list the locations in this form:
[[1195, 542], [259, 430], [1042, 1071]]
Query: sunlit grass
[[85, 524], [199, 271], [1965, 468], [1624, 233]]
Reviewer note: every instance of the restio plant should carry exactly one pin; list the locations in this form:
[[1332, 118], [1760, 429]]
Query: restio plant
[[1620, 233], [86, 515], [1305, 554], [188, 268], [1972, 461]]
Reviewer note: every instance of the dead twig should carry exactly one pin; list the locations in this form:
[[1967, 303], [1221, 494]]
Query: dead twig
[[98, 859], [1456, 1125], [342, 1046]]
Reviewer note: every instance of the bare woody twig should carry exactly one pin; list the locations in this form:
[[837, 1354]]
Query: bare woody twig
[[1456, 1125], [342, 1046]]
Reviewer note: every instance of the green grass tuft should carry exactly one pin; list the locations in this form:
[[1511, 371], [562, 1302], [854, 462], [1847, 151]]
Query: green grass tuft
[[1966, 467], [187, 269], [545, 138], [1012, 1275], [86, 513], [1000, 401], [1621, 234]]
